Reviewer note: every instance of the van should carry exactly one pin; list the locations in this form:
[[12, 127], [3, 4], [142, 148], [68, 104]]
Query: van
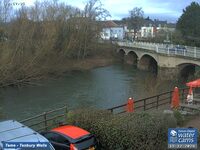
[[12, 132]]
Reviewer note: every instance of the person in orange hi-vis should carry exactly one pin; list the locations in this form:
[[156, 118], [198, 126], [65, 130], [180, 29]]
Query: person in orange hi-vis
[[130, 105]]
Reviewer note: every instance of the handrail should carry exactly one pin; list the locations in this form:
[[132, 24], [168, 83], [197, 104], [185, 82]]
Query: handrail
[[157, 99], [44, 118], [169, 49], [27, 119]]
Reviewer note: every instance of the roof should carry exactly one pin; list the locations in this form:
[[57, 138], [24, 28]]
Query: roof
[[109, 24], [71, 131], [13, 131]]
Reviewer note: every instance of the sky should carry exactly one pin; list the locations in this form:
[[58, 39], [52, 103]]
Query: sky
[[169, 10]]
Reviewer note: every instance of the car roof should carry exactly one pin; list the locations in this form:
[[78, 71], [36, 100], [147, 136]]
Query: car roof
[[13, 131], [71, 131]]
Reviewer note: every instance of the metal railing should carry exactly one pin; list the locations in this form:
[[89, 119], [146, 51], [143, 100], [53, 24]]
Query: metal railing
[[153, 102], [53, 118], [169, 49], [47, 120]]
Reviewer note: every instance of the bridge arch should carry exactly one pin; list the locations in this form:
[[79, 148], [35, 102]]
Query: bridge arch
[[149, 63], [186, 70], [131, 58], [121, 54]]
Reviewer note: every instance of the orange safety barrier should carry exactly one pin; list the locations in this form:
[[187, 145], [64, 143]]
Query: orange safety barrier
[[130, 105], [175, 102]]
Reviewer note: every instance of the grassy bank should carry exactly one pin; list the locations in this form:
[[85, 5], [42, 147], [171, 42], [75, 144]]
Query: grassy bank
[[88, 63], [104, 55]]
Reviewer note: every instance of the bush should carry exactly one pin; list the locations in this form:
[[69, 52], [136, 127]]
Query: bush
[[179, 117], [126, 131]]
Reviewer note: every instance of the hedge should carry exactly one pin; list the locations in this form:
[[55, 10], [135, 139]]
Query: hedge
[[129, 131]]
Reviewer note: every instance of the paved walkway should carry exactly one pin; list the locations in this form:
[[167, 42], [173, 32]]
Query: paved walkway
[[194, 123]]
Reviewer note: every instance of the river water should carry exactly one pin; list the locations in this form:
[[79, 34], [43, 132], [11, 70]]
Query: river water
[[101, 88]]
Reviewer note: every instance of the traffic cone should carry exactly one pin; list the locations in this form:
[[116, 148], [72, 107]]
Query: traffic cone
[[130, 105], [175, 102]]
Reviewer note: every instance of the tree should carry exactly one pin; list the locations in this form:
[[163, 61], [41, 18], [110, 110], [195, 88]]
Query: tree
[[135, 20], [47, 33], [5, 10], [189, 24], [94, 10]]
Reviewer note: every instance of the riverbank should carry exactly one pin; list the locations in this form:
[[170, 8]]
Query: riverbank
[[60, 70], [56, 67], [105, 55], [88, 63]]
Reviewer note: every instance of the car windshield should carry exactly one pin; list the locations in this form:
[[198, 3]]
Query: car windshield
[[85, 142]]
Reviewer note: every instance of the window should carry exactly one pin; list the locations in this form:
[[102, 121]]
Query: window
[[56, 138], [49, 136]]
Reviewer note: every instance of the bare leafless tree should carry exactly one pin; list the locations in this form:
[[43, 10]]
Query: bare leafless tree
[[5, 10], [45, 35]]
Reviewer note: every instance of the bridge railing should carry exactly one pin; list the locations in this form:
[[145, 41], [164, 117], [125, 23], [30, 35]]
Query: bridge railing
[[169, 49], [162, 100], [47, 120]]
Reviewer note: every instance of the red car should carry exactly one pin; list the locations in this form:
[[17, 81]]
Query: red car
[[70, 137]]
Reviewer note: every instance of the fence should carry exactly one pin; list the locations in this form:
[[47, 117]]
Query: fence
[[46, 120], [153, 102], [54, 118]]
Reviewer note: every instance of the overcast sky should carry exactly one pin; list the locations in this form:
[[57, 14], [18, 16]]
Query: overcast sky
[[169, 10]]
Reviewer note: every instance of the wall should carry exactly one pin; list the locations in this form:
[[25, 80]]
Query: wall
[[113, 32], [117, 32], [106, 34]]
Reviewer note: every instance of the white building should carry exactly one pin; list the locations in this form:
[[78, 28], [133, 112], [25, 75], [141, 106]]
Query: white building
[[147, 32], [112, 31]]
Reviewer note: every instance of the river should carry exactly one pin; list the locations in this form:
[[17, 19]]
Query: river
[[101, 88]]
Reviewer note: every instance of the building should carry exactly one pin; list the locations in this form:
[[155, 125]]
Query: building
[[111, 30], [155, 28], [148, 31]]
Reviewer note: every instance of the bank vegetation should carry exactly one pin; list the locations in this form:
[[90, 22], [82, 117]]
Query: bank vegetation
[[130, 131], [47, 38]]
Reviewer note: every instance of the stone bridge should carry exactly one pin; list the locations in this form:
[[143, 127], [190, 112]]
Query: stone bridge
[[168, 61]]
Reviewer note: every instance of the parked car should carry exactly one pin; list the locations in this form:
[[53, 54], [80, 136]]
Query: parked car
[[178, 49], [15, 132], [181, 48], [70, 137]]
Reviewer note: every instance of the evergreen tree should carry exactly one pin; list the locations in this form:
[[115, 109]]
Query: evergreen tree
[[189, 24]]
